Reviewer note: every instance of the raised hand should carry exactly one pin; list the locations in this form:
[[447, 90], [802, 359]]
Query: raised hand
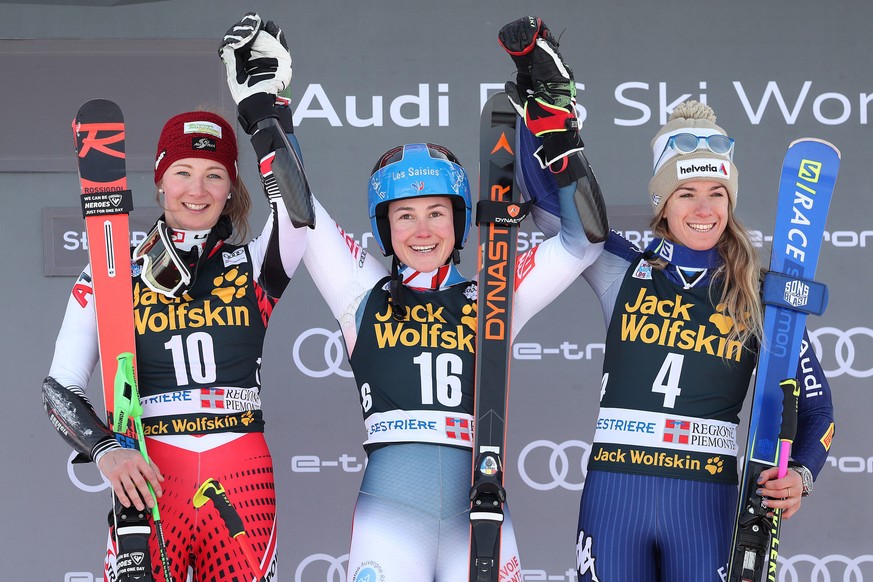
[[544, 94], [545, 91], [256, 57]]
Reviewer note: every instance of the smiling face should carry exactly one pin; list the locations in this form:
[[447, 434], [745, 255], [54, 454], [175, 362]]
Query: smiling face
[[697, 214], [422, 231], [195, 192]]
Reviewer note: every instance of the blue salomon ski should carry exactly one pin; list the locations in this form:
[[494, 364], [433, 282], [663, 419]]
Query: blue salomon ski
[[806, 185]]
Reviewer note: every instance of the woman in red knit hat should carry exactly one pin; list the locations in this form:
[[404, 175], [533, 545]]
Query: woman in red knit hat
[[202, 302]]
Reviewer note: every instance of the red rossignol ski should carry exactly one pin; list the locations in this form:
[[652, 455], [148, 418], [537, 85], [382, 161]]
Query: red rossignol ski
[[498, 214], [106, 202], [98, 130]]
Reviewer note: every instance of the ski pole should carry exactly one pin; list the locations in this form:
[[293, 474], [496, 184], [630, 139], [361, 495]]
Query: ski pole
[[787, 432], [213, 490], [128, 407], [788, 429]]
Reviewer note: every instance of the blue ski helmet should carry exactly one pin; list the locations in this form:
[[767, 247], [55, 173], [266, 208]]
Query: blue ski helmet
[[413, 171]]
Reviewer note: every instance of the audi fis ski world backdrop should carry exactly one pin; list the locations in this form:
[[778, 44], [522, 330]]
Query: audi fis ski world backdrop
[[783, 74]]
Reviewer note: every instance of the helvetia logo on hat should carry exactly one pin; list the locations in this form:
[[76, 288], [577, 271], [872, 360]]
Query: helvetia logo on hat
[[703, 168]]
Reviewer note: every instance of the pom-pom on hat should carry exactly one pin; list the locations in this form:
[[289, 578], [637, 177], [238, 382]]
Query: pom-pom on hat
[[196, 134], [672, 168]]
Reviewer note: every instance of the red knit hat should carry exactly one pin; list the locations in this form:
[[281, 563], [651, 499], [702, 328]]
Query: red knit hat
[[196, 134]]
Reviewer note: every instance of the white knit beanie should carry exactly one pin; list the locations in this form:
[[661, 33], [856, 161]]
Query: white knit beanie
[[675, 168]]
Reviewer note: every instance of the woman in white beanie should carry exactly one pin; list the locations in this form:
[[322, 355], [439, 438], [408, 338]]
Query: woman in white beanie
[[684, 321]]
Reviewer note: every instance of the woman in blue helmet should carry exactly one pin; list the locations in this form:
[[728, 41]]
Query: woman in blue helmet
[[410, 336], [410, 331]]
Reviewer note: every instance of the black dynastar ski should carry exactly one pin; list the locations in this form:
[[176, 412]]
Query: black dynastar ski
[[806, 185], [99, 133], [498, 214]]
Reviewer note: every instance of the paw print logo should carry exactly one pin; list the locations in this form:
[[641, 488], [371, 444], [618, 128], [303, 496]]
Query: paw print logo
[[247, 418], [723, 322], [230, 285], [714, 465], [469, 317]]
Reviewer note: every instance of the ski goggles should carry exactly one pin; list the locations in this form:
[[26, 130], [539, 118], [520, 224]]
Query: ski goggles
[[162, 269], [688, 143]]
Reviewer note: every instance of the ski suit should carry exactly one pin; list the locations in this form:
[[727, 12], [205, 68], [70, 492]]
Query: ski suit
[[198, 364], [415, 383], [661, 489]]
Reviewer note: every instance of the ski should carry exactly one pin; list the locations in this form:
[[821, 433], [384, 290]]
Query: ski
[[99, 133], [106, 202], [498, 214], [806, 186]]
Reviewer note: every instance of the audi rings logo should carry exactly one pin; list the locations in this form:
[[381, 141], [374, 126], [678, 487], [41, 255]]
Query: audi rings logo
[[83, 467], [315, 568], [851, 351], [832, 568], [324, 363], [545, 465]]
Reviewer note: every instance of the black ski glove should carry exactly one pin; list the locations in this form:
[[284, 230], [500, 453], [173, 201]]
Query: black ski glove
[[545, 92]]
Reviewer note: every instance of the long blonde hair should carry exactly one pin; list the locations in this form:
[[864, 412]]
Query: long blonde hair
[[739, 276]]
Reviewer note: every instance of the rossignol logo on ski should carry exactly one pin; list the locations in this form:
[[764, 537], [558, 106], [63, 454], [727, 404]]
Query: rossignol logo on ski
[[92, 140]]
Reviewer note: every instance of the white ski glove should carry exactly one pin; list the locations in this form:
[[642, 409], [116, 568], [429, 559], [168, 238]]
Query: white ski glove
[[256, 58]]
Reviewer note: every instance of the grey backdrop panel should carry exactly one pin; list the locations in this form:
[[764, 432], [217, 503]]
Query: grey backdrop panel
[[418, 71]]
